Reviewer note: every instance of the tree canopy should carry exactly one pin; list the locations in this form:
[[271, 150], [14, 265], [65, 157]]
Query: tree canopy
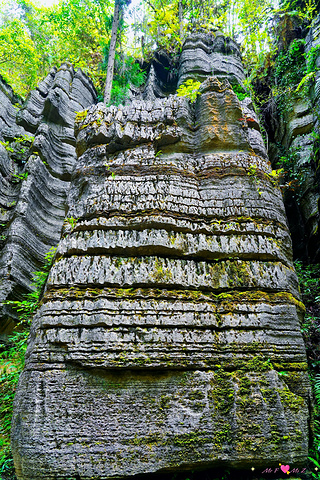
[[33, 38]]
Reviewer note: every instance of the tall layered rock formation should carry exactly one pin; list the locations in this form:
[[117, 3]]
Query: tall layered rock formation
[[172, 305], [37, 156]]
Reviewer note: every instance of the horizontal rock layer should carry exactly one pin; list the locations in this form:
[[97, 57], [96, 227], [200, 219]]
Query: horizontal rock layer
[[172, 308], [204, 55]]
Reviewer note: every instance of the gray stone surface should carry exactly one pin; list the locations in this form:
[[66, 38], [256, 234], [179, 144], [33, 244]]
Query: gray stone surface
[[9, 187], [33, 209], [172, 307], [312, 195], [298, 131], [206, 55]]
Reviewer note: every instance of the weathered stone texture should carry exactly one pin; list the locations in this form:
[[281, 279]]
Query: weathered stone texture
[[298, 131], [172, 305], [312, 197], [34, 209], [206, 55]]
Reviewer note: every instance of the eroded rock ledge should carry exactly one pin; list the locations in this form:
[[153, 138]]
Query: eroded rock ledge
[[172, 307]]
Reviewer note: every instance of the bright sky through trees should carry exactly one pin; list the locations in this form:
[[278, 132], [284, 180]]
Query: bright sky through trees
[[46, 3]]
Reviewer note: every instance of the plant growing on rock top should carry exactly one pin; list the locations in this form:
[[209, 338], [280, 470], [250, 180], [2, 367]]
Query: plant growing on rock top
[[253, 173], [80, 116], [71, 221], [189, 89]]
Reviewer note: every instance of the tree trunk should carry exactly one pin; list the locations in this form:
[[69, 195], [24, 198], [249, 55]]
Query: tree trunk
[[181, 21], [112, 52]]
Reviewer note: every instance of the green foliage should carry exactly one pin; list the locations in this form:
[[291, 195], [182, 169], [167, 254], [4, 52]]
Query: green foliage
[[288, 75], [315, 449], [19, 149], [306, 9], [309, 281], [162, 27], [21, 176], [127, 72], [34, 38], [240, 91], [311, 68], [80, 116], [11, 364], [19, 59], [252, 170], [189, 89], [305, 80], [119, 93], [317, 389], [293, 176], [72, 221], [24, 138], [26, 308], [6, 146], [290, 65], [316, 147], [312, 58], [167, 22], [250, 21], [113, 175], [253, 173], [78, 30]]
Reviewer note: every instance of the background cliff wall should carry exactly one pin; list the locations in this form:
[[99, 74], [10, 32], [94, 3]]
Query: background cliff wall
[[293, 126], [37, 155]]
